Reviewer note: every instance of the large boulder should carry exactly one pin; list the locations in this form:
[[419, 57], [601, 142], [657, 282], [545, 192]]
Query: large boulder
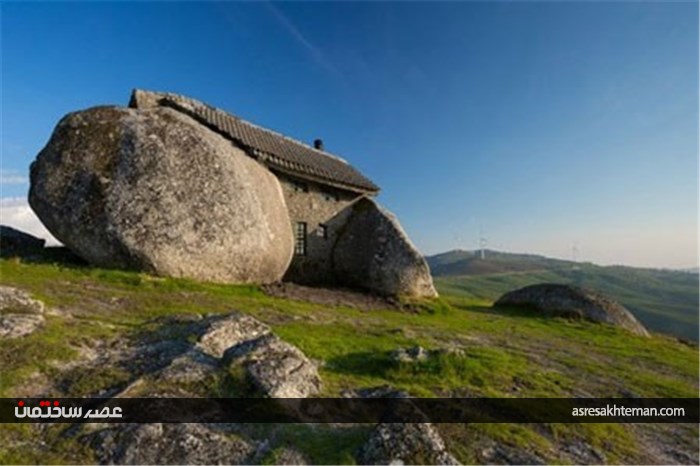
[[151, 189], [385, 261], [572, 302]]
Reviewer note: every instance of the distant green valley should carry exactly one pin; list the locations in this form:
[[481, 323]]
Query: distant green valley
[[664, 301]]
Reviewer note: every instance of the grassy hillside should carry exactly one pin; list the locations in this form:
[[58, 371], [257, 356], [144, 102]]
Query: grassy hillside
[[663, 300], [505, 353]]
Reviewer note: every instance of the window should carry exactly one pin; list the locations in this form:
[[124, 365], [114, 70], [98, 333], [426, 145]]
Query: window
[[300, 239], [322, 231]]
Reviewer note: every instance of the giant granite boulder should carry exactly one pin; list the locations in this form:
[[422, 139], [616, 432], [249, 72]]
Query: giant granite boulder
[[383, 261], [572, 302], [153, 190]]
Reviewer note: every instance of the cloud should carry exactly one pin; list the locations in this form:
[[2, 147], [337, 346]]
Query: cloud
[[8, 177], [15, 212]]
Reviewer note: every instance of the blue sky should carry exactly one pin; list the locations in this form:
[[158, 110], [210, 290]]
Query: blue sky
[[538, 125]]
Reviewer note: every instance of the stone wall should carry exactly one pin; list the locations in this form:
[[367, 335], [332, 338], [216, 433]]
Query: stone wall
[[316, 205], [364, 246]]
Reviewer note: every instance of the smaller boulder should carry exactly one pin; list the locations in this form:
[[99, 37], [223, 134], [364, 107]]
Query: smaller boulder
[[385, 262], [572, 302], [14, 242]]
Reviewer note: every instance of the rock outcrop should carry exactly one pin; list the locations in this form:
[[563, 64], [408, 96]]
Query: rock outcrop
[[175, 368], [572, 302], [278, 369], [383, 261], [405, 443], [14, 242], [228, 331], [152, 189], [400, 442], [170, 444], [20, 315]]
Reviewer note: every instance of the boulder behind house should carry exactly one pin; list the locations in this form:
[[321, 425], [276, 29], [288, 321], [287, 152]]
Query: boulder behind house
[[14, 242], [572, 302]]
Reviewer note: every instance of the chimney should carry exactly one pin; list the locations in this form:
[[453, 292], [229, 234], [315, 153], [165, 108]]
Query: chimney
[[318, 144]]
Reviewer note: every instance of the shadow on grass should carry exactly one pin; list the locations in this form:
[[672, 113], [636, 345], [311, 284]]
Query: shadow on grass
[[514, 311], [56, 255], [366, 363]]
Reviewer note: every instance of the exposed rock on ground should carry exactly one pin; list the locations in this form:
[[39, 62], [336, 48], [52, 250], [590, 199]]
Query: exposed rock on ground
[[385, 262], [175, 367], [416, 353], [20, 315], [572, 302], [152, 189], [407, 443], [400, 443], [278, 369], [170, 444], [287, 455], [228, 331], [503, 454], [14, 242]]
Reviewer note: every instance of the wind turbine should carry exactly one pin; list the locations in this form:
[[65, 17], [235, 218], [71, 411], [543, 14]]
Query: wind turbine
[[482, 245]]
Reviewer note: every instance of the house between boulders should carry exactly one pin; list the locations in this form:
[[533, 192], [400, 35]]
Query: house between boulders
[[341, 235]]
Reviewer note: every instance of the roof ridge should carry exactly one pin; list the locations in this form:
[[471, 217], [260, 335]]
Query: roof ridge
[[250, 123], [283, 151]]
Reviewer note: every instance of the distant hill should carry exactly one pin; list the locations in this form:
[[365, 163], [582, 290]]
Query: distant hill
[[665, 301]]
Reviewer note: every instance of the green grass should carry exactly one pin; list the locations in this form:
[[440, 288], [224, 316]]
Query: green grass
[[504, 353], [664, 301]]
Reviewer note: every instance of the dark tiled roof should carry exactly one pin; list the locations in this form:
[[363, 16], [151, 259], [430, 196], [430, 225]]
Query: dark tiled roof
[[271, 148]]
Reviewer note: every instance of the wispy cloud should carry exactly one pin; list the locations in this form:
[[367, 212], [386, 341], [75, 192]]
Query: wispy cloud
[[316, 54], [15, 212], [12, 177]]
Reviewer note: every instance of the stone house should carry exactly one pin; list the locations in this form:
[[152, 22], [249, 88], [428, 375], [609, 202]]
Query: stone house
[[341, 236]]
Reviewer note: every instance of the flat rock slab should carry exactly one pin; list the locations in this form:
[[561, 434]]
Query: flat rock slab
[[169, 444], [230, 330], [20, 314], [277, 368], [572, 302]]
